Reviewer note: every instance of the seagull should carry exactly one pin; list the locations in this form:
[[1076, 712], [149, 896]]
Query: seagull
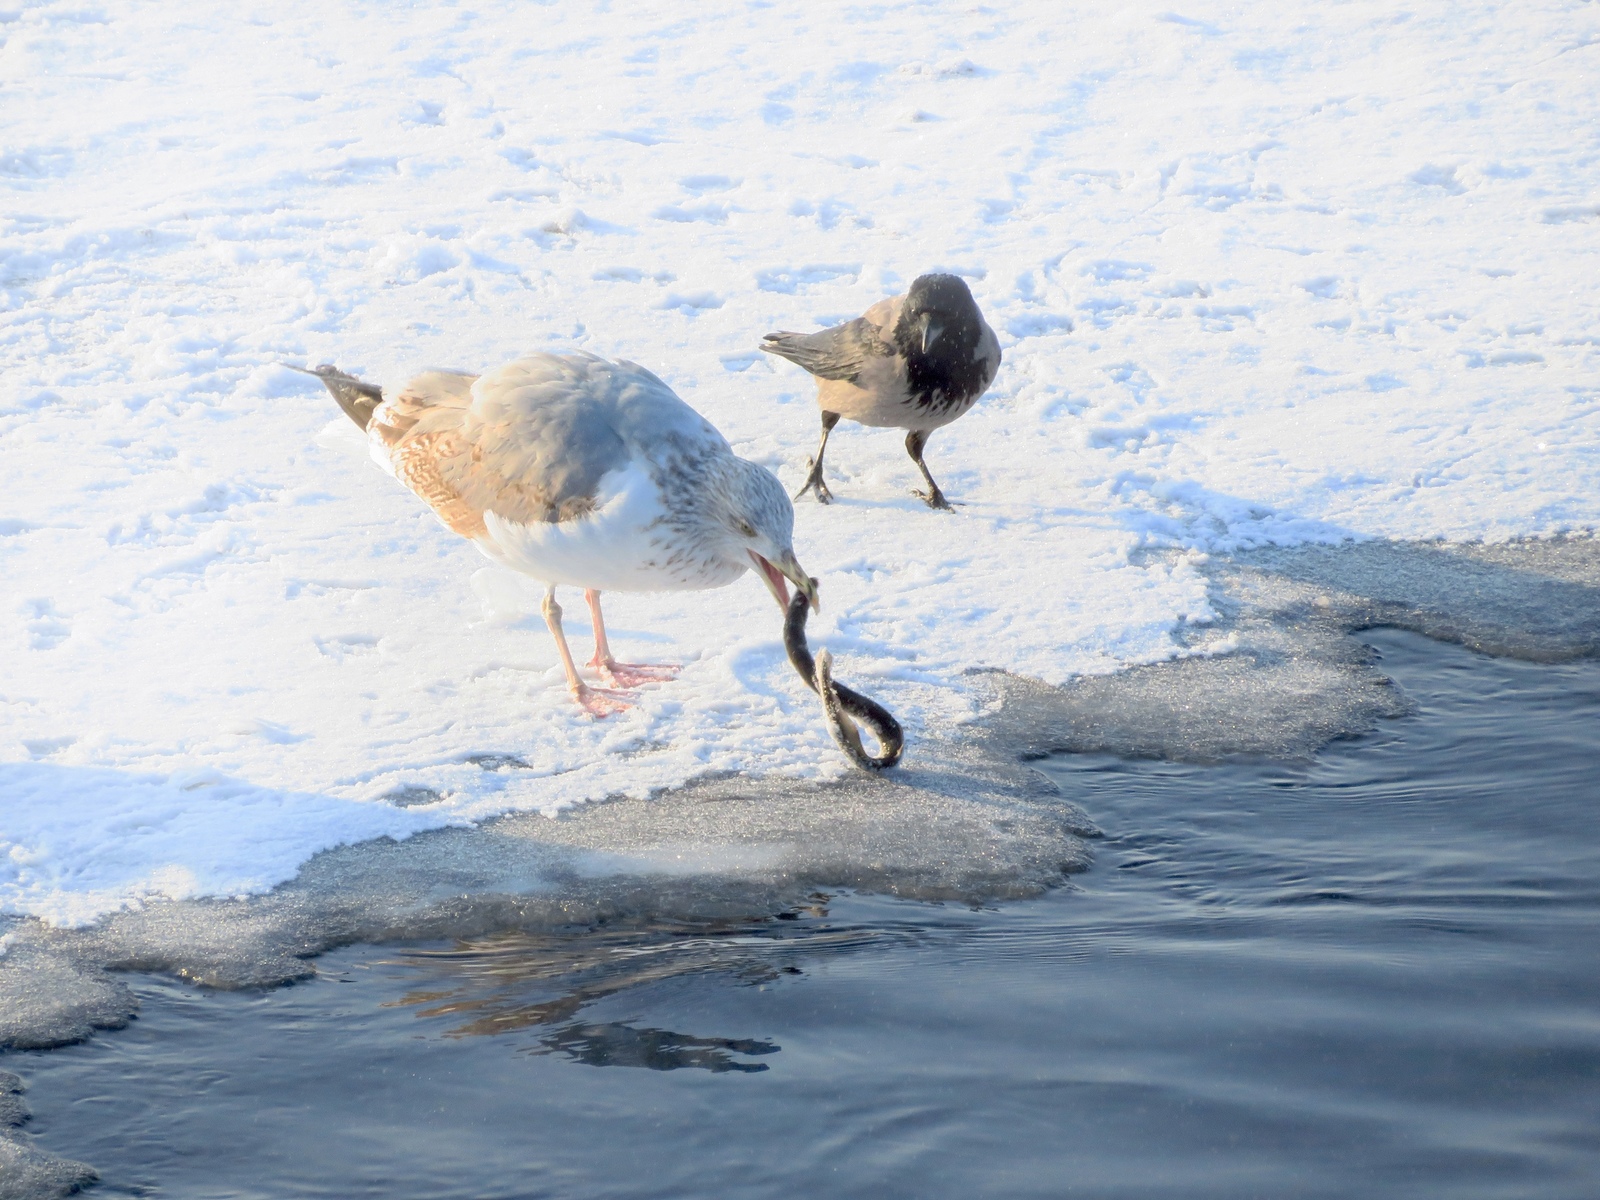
[[585, 472], [914, 362]]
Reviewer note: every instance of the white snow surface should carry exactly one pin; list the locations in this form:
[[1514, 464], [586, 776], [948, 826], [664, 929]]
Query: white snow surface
[[1262, 272]]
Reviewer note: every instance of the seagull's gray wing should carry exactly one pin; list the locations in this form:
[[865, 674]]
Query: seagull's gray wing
[[525, 442], [842, 352]]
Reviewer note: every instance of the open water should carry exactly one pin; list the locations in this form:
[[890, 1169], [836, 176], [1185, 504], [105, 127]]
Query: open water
[[1376, 973]]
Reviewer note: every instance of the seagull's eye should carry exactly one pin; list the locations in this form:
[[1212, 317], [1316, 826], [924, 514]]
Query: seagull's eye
[[747, 529]]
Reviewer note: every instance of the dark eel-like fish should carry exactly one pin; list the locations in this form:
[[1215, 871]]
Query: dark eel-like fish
[[840, 703]]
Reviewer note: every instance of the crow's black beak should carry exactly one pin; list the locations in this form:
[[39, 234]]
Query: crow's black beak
[[931, 330]]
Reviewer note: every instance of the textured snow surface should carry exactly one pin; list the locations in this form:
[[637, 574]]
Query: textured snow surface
[[1270, 274]]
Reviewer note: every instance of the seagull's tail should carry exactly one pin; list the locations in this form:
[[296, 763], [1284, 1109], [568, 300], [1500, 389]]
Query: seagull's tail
[[358, 398]]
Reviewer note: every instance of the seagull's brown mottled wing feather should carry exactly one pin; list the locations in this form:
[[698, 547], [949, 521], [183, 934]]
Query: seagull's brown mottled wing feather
[[420, 429]]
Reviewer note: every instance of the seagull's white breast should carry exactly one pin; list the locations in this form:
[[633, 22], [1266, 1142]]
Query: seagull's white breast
[[623, 545]]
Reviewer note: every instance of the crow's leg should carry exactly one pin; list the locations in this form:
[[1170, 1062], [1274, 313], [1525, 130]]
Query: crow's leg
[[814, 480], [933, 497]]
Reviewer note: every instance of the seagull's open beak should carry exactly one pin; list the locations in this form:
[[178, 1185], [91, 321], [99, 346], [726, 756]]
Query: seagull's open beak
[[774, 574], [931, 330]]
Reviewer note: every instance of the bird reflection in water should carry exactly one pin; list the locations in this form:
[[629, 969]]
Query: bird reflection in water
[[518, 980], [658, 1049]]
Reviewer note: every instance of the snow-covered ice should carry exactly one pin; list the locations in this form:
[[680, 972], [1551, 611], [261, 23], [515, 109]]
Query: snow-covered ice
[[1263, 274]]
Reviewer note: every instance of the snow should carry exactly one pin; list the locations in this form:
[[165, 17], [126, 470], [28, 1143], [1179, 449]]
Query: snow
[[1266, 274]]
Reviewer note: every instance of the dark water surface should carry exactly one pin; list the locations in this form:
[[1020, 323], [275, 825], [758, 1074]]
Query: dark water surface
[[1377, 974]]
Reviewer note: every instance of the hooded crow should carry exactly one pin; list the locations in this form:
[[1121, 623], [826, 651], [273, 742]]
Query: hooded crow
[[913, 362]]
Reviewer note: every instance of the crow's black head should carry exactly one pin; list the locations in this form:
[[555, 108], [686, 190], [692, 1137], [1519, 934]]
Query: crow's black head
[[938, 334], [940, 319], [946, 294]]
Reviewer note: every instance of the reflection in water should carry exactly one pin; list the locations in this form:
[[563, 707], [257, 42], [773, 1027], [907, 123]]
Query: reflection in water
[[515, 980], [656, 1049]]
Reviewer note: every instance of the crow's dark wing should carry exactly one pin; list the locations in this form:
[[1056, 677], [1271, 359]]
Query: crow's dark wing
[[837, 353]]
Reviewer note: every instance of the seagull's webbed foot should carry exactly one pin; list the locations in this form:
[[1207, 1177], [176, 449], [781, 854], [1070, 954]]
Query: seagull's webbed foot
[[602, 702], [611, 672], [631, 675]]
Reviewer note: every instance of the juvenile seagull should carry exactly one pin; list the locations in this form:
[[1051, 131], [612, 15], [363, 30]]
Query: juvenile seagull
[[577, 470], [912, 362]]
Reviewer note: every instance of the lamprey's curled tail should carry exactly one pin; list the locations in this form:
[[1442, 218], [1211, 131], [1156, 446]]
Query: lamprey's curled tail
[[839, 703]]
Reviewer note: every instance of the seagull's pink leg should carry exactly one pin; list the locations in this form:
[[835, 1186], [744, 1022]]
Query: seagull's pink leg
[[615, 673], [597, 702]]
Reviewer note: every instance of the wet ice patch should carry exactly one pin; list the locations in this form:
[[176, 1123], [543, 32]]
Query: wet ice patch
[[26, 1170], [967, 824], [1266, 666]]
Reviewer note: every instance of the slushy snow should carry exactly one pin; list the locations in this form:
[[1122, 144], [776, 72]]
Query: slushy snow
[[1267, 274]]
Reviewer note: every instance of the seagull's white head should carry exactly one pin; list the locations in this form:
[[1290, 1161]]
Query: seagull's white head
[[759, 521]]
